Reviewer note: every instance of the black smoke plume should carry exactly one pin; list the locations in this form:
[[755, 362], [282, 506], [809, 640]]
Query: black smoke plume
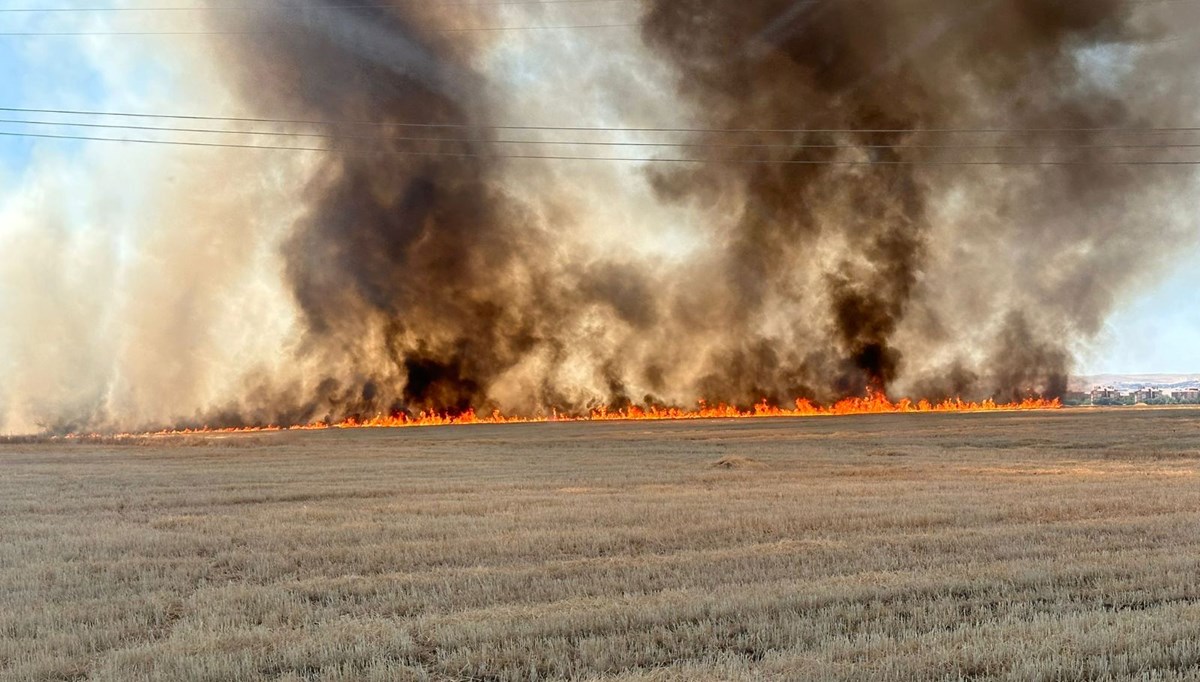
[[420, 278], [437, 275], [874, 233]]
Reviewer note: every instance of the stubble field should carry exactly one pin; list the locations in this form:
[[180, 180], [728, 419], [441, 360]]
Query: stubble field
[[1052, 546]]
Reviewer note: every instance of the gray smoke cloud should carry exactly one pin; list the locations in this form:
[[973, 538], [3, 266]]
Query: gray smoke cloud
[[938, 280], [817, 262], [441, 282], [423, 280]]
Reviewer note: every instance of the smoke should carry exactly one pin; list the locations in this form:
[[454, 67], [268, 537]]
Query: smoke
[[113, 315], [423, 280], [930, 279], [423, 268], [139, 285]]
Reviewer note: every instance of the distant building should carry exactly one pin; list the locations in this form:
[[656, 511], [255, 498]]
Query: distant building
[[1105, 393], [1076, 397], [1147, 394], [1187, 395]]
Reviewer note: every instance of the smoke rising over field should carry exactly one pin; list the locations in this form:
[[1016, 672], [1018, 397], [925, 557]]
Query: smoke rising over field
[[443, 275], [869, 238]]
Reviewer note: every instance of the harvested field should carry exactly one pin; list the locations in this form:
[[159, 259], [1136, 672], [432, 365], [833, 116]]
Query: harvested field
[[1057, 545]]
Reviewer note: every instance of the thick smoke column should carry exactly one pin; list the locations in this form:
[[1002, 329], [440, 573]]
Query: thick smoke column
[[421, 279], [415, 267], [865, 262], [427, 280], [390, 264]]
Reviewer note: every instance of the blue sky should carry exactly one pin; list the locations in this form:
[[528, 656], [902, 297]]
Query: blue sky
[[1156, 330], [42, 72], [14, 152]]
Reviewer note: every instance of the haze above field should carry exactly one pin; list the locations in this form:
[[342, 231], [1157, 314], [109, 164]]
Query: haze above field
[[1125, 381]]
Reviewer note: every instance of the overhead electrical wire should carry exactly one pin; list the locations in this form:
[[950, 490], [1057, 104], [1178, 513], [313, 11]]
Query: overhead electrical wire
[[563, 157], [468, 29], [286, 6], [284, 31], [563, 129], [395, 3], [599, 143], [306, 8], [611, 129]]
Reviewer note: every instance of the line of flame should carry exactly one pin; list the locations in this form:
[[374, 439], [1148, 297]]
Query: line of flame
[[874, 403]]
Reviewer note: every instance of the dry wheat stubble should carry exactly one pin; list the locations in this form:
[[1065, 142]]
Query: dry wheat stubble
[[1013, 546]]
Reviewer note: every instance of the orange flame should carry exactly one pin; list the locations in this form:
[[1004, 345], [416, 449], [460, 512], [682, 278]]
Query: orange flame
[[874, 403]]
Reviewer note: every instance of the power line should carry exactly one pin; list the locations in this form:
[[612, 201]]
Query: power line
[[257, 33], [602, 143], [285, 6], [610, 129], [556, 157], [384, 5], [373, 5]]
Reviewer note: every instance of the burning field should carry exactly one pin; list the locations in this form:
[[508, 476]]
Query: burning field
[[1005, 545], [745, 325], [764, 200], [874, 403]]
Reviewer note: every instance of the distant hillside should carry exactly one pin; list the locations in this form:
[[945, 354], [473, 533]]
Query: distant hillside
[[1132, 381]]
